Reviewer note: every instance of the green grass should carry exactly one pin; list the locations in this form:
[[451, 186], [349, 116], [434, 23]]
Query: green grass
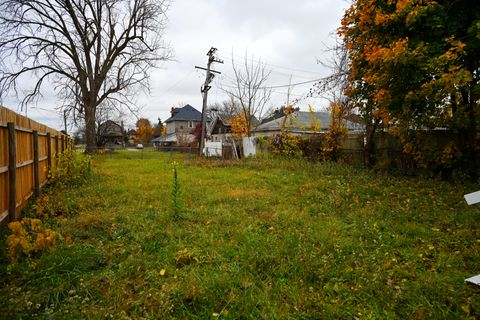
[[256, 239]]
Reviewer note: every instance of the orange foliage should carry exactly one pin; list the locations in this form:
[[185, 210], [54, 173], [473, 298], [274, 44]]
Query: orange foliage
[[144, 130], [336, 130], [240, 125], [29, 237]]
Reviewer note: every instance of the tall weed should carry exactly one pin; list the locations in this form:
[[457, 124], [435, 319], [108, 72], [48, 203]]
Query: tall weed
[[72, 168], [176, 196]]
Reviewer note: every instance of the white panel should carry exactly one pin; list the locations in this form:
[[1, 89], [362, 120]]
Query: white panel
[[472, 198]]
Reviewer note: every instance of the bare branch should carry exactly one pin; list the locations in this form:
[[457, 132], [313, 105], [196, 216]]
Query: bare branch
[[249, 89], [95, 53]]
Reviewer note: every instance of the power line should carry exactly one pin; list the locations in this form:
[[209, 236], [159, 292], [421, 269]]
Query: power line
[[277, 86], [269, 64], [286, 93], [175, 84], [282, 85], [292, 84]]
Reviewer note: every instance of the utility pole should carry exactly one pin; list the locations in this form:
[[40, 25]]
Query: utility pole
[[206, 86]]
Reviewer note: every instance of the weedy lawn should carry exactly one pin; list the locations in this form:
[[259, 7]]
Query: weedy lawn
[[256, 239]]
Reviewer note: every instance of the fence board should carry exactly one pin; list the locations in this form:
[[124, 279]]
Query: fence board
[[4, 192], [25, 161]]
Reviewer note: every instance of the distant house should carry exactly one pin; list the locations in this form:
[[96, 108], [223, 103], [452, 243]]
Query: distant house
[[220, 129], [180, 126], [110, 133], [302, 123], [131, 135]]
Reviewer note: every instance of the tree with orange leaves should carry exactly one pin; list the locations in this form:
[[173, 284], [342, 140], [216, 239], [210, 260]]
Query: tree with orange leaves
[[415, 64], [240, 125], [144, 130]]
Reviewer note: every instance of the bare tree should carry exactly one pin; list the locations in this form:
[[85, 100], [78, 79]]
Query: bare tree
[[94, 52], [333, 86], [230, 107], [249, 89]]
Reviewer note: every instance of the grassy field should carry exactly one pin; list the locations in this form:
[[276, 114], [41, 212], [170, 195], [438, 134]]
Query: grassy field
[[257, 239]]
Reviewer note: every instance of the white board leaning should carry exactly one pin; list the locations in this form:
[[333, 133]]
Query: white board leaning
[[473, 198]]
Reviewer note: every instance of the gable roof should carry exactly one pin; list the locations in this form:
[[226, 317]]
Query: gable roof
[[299, 120], [110, 128], [302, 121], [187, 113], [225, 119]]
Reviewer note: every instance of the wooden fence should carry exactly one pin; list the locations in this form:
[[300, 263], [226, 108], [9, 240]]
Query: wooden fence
[[28, 150]]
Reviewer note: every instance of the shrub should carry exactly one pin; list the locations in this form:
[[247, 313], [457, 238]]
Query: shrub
[[29, 237], [72, 168], [286, 144], [53, 204]]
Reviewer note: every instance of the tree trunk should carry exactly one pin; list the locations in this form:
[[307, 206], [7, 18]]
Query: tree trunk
[[471, 150], [90, 132]]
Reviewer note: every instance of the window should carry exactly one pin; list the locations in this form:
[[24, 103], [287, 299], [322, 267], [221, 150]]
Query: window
[[190, 124]]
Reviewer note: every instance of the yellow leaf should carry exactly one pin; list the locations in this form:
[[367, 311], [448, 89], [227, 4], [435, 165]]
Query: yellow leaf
[[162, 272]]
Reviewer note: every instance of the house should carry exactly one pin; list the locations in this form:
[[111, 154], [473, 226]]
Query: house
[[131, 136], [301, 123], [110, 133], [220, 129], [180, 126]]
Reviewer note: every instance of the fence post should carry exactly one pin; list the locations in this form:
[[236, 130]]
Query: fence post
[[49, 151], [56, 147], [12, 173], [63, 143], [36, 174]]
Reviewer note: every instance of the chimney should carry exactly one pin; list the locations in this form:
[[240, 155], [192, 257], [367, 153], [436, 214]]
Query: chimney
[[173, 111]]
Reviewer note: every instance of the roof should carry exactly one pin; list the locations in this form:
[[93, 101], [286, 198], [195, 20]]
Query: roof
[[302, 121], [299, 120], [173, 137], [226, 119], [111, 129], [187, 113]]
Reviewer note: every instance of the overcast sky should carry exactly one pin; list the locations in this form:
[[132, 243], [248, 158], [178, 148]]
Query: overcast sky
[[289, 36]]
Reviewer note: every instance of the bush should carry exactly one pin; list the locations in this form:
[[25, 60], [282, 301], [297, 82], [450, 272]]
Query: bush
[[51, 204], [72, 168], [286, 144], [29, 237]]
